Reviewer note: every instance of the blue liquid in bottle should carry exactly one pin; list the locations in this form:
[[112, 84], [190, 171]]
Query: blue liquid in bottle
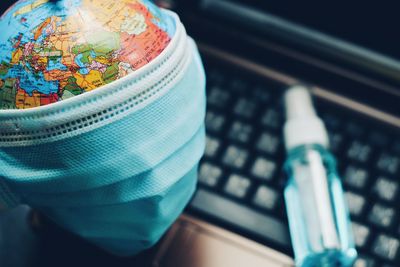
[[318, 216]]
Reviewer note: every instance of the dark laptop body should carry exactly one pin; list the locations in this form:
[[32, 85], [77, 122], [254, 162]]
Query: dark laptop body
[[348, 55], [357, 39]]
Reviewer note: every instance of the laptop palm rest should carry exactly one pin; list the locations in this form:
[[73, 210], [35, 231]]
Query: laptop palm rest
[[193, 243]]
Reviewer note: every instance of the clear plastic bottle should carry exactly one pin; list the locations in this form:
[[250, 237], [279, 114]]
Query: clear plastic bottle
[[318, 216]]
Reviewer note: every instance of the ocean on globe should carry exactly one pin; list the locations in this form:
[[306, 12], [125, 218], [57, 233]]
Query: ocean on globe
[[55, 50]]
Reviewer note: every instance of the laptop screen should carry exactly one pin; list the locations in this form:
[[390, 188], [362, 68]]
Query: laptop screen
[[371, 24]]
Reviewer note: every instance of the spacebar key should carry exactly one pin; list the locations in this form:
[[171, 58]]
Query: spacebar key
[[241, 216]]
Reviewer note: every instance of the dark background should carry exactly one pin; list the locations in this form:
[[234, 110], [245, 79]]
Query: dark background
[[27, 239], [4, 4], [373, 24]]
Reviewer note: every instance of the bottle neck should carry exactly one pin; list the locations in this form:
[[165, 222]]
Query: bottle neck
[[301, 151]]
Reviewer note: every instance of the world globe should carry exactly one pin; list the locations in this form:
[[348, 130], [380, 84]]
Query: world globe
[[54, 50]]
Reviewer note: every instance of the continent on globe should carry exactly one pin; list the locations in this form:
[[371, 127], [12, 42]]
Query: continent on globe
[[55, 50]]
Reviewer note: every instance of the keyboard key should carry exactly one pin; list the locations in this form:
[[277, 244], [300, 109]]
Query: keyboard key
[[240, 132], [212, 146], [359, 152], [237, 186], [386, 247], [209, 174], [354, 129], [218, 97], [388, 163], [364, 261], [331, 121], [268, 143], [386, 189], [381, 215], [355, 177], [272, 119], [378, 139], [260, 93], [335, 141], [266, 198], [216, 76], [235, 157], [238, 85], [361, 234], [214, 122], [396, 147], [355, 203], [263, 168], [240, 216], [245, 108]]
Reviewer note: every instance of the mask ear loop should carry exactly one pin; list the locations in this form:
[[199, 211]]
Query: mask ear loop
[[8, 199]]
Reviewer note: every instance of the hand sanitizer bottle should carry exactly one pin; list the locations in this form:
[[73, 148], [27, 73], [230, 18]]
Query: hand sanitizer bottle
[[318, 216]]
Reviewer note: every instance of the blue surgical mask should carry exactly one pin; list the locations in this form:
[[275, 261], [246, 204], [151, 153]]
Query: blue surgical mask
[[117, 165]]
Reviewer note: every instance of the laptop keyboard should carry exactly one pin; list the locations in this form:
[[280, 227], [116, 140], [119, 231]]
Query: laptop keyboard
[[241, 182]]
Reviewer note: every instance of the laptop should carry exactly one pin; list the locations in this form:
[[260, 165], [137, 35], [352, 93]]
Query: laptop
[[253, 51]]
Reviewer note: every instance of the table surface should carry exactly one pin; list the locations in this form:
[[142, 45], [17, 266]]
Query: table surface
[[29, 240]]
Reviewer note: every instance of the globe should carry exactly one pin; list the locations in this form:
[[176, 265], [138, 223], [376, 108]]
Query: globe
[[54, 50]]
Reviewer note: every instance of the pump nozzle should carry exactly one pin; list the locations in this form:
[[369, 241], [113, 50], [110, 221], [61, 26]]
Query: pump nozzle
[[302, 126], [298, 103]]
